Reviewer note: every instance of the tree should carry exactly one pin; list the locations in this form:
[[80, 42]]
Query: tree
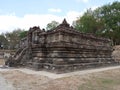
[[3, 41], [104, 21], [52, 25], [14, 37], [88, 23], [111, 15], [23, 34]]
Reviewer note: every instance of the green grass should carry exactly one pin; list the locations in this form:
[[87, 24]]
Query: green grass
[[100, 84], [107, 81]]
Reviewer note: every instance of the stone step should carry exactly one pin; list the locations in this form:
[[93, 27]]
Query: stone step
[[69, 56], [69, 67], [72, 60]]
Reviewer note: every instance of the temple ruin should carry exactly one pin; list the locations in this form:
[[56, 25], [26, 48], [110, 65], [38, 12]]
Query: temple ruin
[[62, 49]]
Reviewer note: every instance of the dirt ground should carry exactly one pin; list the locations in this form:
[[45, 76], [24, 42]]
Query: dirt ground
[[22, 81], [1, 61], [103, 80]]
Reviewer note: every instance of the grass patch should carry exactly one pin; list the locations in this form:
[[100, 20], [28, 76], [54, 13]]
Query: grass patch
[[100, 83], [107, 81]]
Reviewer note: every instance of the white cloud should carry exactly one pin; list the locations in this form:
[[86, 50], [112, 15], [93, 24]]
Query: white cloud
[[54, 10], [85, 1], [73, 15], [94, 7], [8, 22], [11, 22]]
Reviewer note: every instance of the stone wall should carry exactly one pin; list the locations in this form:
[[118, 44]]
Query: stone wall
[[116, 53], [1, 55]]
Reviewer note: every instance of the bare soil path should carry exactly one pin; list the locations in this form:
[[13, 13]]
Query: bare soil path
[[56, 76]]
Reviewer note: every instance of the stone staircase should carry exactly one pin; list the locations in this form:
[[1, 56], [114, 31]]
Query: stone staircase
[[18, 58]]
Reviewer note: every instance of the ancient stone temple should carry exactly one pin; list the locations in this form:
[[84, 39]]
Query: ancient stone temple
[[62, 49]]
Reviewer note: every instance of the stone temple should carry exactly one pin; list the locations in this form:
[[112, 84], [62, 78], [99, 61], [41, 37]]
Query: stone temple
[[62, 49]]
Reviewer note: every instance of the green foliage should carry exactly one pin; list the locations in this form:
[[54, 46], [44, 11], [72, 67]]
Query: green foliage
[[23, 34], [10, 40], [13, 38], [3, 41], [107, 81], [104, 21], [111, 16], [52, 25], [88, 23]]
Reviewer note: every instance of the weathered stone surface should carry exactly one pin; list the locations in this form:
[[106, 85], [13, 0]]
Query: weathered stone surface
[[63, 49]]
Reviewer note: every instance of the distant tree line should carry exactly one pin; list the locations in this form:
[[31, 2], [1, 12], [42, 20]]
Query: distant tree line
[[10, 40]]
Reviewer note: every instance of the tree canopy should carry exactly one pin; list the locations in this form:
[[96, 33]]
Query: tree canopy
[[23, 34], [52, 25], [103, 21], [10, 40], [3, 41]]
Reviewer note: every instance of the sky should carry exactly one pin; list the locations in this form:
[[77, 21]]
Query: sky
[[24, 14]]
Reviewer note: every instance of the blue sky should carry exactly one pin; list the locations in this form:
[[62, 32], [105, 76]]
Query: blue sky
[[28, 13]]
